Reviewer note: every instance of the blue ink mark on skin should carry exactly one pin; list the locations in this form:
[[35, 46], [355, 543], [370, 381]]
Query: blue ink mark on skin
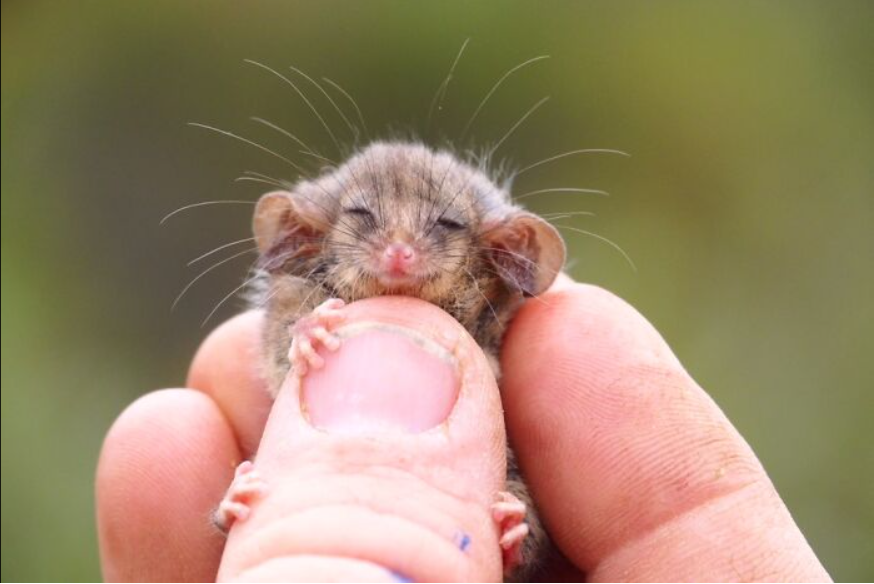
[[398, 577], [463, 540]]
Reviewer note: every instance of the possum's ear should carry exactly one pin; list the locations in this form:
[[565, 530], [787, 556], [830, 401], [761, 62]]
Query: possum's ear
[[288, 225], [527, 252]]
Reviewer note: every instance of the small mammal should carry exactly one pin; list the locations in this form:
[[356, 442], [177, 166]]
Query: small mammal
[[399, 218]]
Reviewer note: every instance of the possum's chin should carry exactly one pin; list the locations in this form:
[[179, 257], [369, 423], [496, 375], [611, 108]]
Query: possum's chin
[[366, 284], [399, 282]]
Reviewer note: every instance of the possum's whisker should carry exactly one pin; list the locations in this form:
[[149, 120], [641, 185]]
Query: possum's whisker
[[320, 157], [259, 180], [433, 223], [352, 101], [354, 130], [349, 229], [261, 147], [561, 190], [571, 153], [437, 100], [229, 295], [262, 303], [286, 133], [609, 242], [359, 276], [310, 274], [282, 184], [509, 252], [493, 90], [251, 175], [516, 283], [303, 97], [567, 214], [452, 200], [208, 270], [203, 204], [549, 218], [275, 180], [478, 289], [218, 249], [376, 186], [439, 190], [319, 286], [509, 133]]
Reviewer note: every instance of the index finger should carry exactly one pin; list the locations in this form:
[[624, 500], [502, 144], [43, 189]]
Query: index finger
[[227, 368], [637, 472]]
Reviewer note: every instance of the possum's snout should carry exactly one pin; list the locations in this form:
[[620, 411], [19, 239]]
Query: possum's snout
[[398, 264], [399, 259]]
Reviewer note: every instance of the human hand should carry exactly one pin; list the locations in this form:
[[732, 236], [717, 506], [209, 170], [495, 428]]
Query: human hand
[[637, 473]]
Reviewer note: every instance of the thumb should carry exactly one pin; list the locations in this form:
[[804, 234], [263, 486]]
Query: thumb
[[383, 464]]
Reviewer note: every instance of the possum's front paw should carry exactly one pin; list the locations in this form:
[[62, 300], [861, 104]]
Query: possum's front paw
[[509, 513], [246, 485], [309, 331]]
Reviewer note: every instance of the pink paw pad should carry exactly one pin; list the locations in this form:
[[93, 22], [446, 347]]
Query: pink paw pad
[[247, 485], [311, 331], [508, 513]]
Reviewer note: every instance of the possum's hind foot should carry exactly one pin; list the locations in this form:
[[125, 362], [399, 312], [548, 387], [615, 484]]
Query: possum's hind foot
[[246, 486], [509, 515], [311, 330]]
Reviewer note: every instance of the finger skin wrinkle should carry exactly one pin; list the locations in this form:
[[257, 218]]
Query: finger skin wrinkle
[[383, 473], [400, 544], [318, 568], [657, 454], [405, 518], [706, 543], [640, 536]]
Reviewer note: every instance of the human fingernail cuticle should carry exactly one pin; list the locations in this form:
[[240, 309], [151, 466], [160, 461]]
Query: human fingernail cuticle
[[384, 377]]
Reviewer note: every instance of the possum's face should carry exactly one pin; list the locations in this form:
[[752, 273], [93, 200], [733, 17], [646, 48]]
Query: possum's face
[[401, 219], [406, 223]]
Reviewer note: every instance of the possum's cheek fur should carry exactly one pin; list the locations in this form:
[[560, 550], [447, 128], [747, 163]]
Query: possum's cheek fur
[[349, 280]]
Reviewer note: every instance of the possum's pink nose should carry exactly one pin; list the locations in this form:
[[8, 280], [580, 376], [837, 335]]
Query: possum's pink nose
[[399, 257]]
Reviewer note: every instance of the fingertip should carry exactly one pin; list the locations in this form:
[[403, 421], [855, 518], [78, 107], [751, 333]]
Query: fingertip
[[562, 281], [227, 368], [599, 332], [229, 348], [396, 445], [163, 466], [613, 418]]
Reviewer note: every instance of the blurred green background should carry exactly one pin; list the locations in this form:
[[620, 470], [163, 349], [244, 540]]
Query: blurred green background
[[747, 206]]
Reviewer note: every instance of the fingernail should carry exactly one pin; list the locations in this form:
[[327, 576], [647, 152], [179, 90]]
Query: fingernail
[[384, 378]]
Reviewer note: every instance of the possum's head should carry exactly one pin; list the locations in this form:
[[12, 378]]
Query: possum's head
[[402, 219]]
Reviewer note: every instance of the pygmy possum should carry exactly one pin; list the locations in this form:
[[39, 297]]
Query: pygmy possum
[[398, 218]]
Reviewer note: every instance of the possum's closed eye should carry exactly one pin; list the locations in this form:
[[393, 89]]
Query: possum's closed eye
[[360, 211], [450, 224]]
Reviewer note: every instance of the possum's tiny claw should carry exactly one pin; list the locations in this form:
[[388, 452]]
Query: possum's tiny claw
[[331, 304], [509, 513], [511, 546], [230, 512], [247, 485], [330, 341], [512, 510], [312, 330]]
